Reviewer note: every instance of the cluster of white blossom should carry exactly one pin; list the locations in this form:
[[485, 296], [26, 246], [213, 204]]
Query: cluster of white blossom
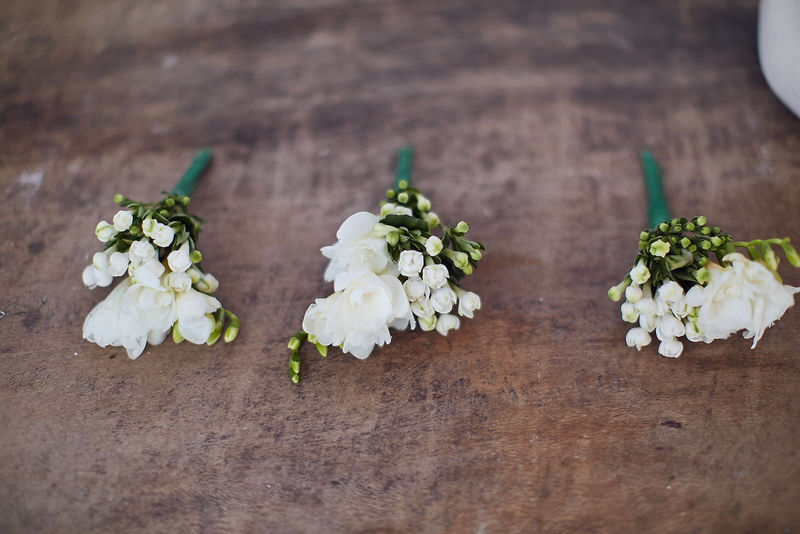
[[744, 295], [373, 293]]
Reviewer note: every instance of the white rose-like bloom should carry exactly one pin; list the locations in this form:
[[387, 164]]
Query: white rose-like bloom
[[162, 235], [433, 246], [179, 260], [358, 247], [447, 322], [668, 327], [117, 263], [640, 274], [104, 231], [130, 316], [468, 302], [435, 276], [410, 263], [122, 220], [629, 312], [180, 282], [670, 292], [637, 337], [633, 293], [193, 313], [140, 251], [443, 299], [416, 289], [744, 296], [671, 348], [358, 317]]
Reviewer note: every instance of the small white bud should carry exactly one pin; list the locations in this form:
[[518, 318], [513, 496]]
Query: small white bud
[[468, 302], [118, 263], [629, 312], [433, 245], [637, 337], [423, 203], [148, 225], [162, 235], [640, 274], [179, 260], [123, 220], [104, 231], [443, 299], [671, 348], [435, 276], [416, 289], [447, 322], [100, 261], [633, 293], [427, 323]]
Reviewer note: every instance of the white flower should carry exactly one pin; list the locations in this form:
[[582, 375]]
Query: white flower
[[416, 289], [122, 220], [92, 277], [193, 310], [357, 317], [403, 210], [148, 225], [433, 245], [679, 308], [100, 261], [640, 274], [141, 251], [629, 312], [104, 231], [671, 348], [668, 327], [147, 273], [117, 263], [180, 282], [178, 260], [659, 248], [422, 307], [387, 209], [427, 323], [435, 276], [468, 302], [633, 293], [443, 299], [358, 247], [744, 296], [637, 337], [162, 235], [410, 263], [647, 321], [447, 322], [208, 283], [670, 291], [646, 306]]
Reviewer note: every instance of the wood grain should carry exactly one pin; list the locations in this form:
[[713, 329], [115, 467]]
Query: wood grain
[[527, 116]]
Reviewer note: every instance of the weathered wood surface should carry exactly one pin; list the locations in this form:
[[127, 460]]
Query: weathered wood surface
[[527, 117]]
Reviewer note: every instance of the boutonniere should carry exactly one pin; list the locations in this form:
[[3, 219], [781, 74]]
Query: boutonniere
[[391, 270], [676, 288], [153, 248]]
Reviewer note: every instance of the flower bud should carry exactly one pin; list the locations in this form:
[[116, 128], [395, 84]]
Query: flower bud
[[629, 312], [462, 227], [88, 278], [467, 270], [423, 203], [402, 198], [770, 259], [104, 231], [207, 284], [387, 209], [393, 238], [663, 227], [196, 256], [717, 241], [100, 261], [633, 293], [640, 273], [390, 193], [403, 210], [215, 334], [433, 245], [176, 335], [402, 184], [702, 276], [659, 248], [118, 263], [432, 219], [148, 225], [637, 337], [701, 221], [322, 349], [447, 322], [169, 202], [231, 332], [790, 252], [468, 302], [427, 323], [122, 220], [615, 292], [179, 260], [118, 198], [416, 289], [460, 259], [185, 201], [294, 344], [685, 242]]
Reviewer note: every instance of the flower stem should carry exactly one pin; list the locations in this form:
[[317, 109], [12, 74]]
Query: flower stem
[[405, 160], [187, 184], [657, 209]]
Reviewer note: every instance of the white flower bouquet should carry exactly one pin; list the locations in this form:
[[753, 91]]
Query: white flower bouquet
[[389, 270], [154, 247], [674, 288]]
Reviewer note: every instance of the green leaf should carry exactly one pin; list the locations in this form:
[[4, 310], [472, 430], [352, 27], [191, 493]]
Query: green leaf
[[407, 221]]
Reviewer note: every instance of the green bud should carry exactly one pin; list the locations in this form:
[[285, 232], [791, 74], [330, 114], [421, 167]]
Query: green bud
[[716, 230], [423, 203], [674, 221], [689, 226], [432, 219], [705, 230], [294, 344], [118, 198], [702, 275], [294, 377], [215, 334], [475, 254], [169, 202], [185, 200], [294, 363], [692, 248], [676, 229], [771, 259], [615, 293], [402, 184], [460, 259], [644, 235], [467, 270], [392, 238], [134, 230], [703, 261], [163, 213], [231, 332], [176, 335], [685, 242], [663, 227], [705, 245], [196, 256], [322, 349], [462, 227], [791, 253], [717, 241], [402, 197], [700, 220], [390, 193]]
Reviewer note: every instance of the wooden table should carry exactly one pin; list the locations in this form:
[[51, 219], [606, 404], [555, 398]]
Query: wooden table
[[527, 117]]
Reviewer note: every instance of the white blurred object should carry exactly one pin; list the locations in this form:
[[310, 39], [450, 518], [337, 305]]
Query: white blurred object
[[779, 49]]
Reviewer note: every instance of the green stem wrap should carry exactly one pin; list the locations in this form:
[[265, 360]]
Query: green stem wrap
[[657, 208], [405, 160], [187, 184]]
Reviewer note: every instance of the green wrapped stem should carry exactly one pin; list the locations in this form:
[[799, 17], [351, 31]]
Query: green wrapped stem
[[187, 185], [405, 161], [657, 208]]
